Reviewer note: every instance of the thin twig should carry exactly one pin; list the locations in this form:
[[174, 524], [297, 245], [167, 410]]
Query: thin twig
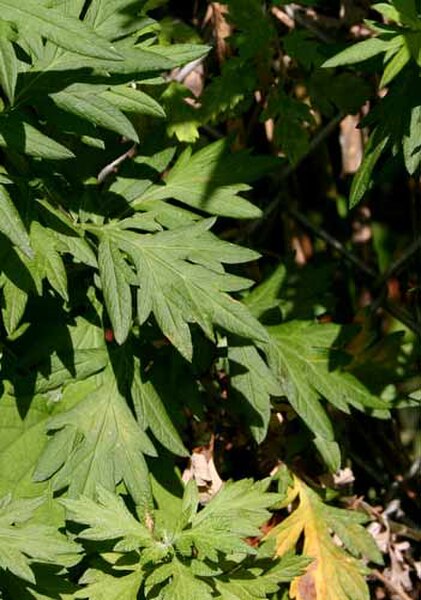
[[112, 167], [391, 586], [290, 169], [399, 262], [294, 12], [320, 137], [405, 531], [399, 313], [329, 239], [403, 316], [212, 132], [397, 528]]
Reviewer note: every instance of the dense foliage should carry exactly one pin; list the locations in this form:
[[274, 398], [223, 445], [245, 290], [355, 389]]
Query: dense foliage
[[204, 393]]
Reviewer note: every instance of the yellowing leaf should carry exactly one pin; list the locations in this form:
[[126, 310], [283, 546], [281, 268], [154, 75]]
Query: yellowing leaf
[[334, 573]]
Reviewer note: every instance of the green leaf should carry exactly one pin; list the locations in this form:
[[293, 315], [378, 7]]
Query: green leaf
[[77, 247], [65, 31], [107, 518], [258, 585], [190, 501], [236, 512], [254, 381], [184, 118], [97, 110], [178, 291], [179, 551], [137, 62], [15, 301], [24, 138], [348, 525], [8, 67], [68, 7], [395, 66], [330, 453], [116, 290], [97, 442], [180, 54], [265, 296], [131, 100], [244, 504], [362, 180], [48, 261], [302, 354], [142, 222], [68, 237], [151, 413], [99, 586], [210, 180], [116, 18], [363, 51], [183, 585], [81, 364], [18, 432], [388, 11], [408, 14], [411, 141], [11, 224], [23, 543]]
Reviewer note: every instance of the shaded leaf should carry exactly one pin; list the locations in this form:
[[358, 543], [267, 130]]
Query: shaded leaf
[[11, 224], [363, 178], [306, 360], [84, 363], [265, 296], [151, 413], [252, 378], [97, 110], [15, 301], [131, 100], [48, 261], [22, 137], [330, 453]]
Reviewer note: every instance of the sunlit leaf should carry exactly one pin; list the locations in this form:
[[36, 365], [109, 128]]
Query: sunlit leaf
[[63, 30]]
